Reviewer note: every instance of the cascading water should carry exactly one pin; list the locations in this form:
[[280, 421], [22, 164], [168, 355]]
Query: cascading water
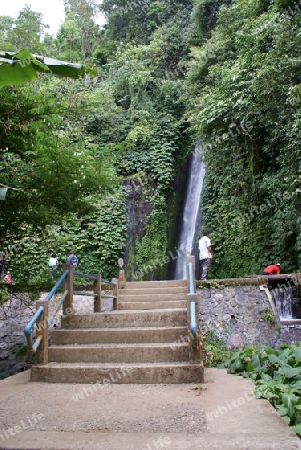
[[283, 301], [191, 212]]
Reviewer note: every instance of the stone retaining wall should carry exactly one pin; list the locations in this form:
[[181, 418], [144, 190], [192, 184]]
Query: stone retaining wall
[[242, 315]]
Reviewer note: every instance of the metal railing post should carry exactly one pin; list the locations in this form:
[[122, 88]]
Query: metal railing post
[[42, 333], [68, 302], [193, 312], [191, 276], [97, 292]]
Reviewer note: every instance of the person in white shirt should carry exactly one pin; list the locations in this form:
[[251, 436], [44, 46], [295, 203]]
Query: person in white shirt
[[53, 262], [205, 255]]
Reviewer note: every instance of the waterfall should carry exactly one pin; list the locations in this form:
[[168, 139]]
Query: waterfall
[[282, 297], [191, 212]]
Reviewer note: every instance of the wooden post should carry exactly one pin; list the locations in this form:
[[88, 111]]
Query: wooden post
[[97, 292], [42, 333], [115, 293], [68, 285]]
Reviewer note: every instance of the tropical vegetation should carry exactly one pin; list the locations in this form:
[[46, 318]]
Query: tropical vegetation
[[277, 377], [99, 163]]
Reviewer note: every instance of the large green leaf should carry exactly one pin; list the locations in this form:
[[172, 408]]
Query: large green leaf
[[297, 429], [20, 67]]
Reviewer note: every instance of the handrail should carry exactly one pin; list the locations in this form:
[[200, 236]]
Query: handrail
[[28, 328], [50, 320], [84, 275], [192, 306], [90, 294], [43, 322], [92, 277], [40, 311], [190, 279], [57, 285], [109, 282], [193, 325]]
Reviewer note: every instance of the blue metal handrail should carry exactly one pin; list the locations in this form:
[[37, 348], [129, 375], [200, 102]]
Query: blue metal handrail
[[192, 306], [57, 285], [39, 312], [29, 327], [190, 279]]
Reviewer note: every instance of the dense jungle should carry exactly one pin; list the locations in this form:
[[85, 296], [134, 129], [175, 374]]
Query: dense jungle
[[99, 164]]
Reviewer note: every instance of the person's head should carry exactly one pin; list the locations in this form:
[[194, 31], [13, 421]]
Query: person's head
[[206, 233], [278, 265], [53, 255], [71, 252]]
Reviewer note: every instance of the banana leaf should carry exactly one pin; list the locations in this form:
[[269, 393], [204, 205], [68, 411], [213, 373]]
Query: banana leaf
[[20, 67]]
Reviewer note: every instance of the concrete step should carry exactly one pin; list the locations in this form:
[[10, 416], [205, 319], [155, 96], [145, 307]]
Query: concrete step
[[154, 297], [151, 284], [120, 319], [130, 335], [159, 290], [104, 374], [120, 353], [149, 305]]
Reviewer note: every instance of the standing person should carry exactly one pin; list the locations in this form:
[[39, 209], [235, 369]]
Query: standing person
[[53, 262], [8, 278], [1, 265], [72, 259], [272, 269], [205, 255]]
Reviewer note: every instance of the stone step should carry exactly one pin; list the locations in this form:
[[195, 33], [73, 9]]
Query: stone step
[[149, 305], [151, 284], [120, 353], [130, 335], [119, 319], [154, 297], [159, 290], [105, 374]]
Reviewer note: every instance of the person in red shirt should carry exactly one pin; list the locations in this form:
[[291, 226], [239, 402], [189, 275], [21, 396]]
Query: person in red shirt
[[272, 269]]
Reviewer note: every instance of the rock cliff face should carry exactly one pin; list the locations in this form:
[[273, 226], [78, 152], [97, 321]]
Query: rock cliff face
[[138, 208], [139, 191], [14, 315]]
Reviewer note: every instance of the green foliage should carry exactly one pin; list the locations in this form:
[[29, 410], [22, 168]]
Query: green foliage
[[98, 240], [240, 81], [277, 375], [27, 32], [224, 72], [214, 350], [49, 163]]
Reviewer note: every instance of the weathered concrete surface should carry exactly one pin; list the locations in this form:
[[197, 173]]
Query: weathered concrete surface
[[151, 305], [131, 335], [120, 353], [223, 414], [99, 374], [115, 319]]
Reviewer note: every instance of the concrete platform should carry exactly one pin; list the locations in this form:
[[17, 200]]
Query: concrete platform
[[220, 414]]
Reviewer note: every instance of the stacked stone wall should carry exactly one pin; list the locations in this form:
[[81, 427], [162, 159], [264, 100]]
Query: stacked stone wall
[[242, 316]]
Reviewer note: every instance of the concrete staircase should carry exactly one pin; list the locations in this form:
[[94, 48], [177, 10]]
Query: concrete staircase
[[145, 341]]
